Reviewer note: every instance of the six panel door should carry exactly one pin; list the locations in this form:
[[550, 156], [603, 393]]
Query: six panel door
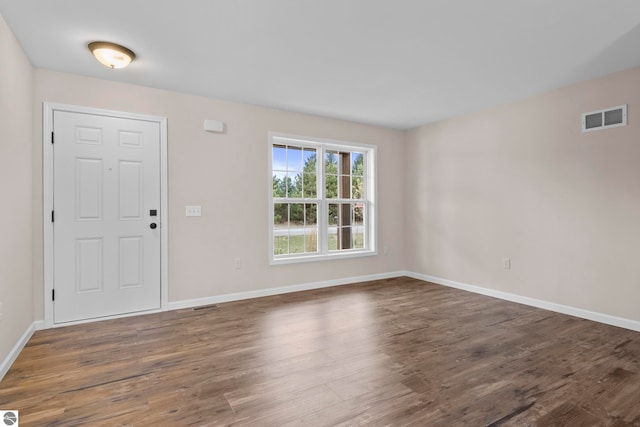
[[106, 190]]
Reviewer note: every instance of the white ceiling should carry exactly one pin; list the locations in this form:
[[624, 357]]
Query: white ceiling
[[400, 63]]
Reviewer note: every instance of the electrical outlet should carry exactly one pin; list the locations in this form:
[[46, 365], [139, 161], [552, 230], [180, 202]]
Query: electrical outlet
[[1, 311], [506, 263], [385, 250], [237, 263], [193, 210]]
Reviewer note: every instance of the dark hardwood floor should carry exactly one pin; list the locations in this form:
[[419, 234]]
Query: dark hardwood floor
[[389, 352]]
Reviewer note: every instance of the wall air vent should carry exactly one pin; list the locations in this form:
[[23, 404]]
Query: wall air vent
[[603, 119]]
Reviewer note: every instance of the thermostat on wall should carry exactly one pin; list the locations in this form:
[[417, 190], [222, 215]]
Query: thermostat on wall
[[213, 126]]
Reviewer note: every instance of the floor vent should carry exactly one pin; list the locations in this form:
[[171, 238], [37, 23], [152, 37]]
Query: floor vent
[[205, 307], [603, 119]]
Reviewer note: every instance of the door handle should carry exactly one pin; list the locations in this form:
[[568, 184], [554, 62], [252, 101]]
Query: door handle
[[153, 225]]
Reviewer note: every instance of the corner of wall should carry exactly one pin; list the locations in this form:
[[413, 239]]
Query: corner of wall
[[16, 179]]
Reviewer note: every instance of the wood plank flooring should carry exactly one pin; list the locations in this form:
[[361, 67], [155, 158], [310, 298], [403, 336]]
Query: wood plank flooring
[[391, 352]]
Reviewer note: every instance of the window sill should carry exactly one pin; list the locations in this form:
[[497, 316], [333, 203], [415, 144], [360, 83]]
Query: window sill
[[323, 257]]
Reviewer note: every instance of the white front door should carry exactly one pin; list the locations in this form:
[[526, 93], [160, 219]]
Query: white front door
[[106, 215]]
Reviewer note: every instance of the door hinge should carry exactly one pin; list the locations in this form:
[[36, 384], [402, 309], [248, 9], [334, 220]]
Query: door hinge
[[52, 137], [53, 217], [53, 294]]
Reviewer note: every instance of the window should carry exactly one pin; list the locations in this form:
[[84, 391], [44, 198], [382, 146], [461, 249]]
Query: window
[[321, 199]]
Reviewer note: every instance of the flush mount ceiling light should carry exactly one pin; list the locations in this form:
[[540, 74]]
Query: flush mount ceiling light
[[112, 55]]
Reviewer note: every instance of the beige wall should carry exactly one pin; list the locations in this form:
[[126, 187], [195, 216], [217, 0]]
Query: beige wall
[[227, 175], [16, 80], [522, 181]]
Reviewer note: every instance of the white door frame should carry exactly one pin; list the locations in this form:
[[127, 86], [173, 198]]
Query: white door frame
[[47, 178]]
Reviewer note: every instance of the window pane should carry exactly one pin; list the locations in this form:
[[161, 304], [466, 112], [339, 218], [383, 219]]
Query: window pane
[[345, 214], [309, 157], [294, 185], [309, 184], [357, 187], [311, 240], [343, 238], [287, 184], [311, 233], [358, 230], [339, 226], [309, 181], [357, 237], [333, 238], [344, 186], [281, 215], [358, 214], [294, 159], [346, 226], [331, 186], [333, 214], [332, 221], [331, 162], [296, 215], [331, 172], [279, 184], [279, 160], [280, 245], [296, 241], [357, 164], [310, 214]]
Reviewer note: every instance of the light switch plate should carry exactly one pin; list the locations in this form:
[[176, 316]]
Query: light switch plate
[[193, 210]]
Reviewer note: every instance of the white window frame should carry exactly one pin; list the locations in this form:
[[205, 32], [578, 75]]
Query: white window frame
[[322, 145]]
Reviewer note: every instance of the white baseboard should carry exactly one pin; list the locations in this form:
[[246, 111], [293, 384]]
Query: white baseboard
[[176, 305], [621, 322], [15, 351]]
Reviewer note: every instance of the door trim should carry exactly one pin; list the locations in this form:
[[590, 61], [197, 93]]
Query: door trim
[[48, 109]]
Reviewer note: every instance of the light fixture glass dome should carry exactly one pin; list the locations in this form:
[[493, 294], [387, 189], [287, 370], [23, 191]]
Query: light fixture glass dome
[[112, 55]]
